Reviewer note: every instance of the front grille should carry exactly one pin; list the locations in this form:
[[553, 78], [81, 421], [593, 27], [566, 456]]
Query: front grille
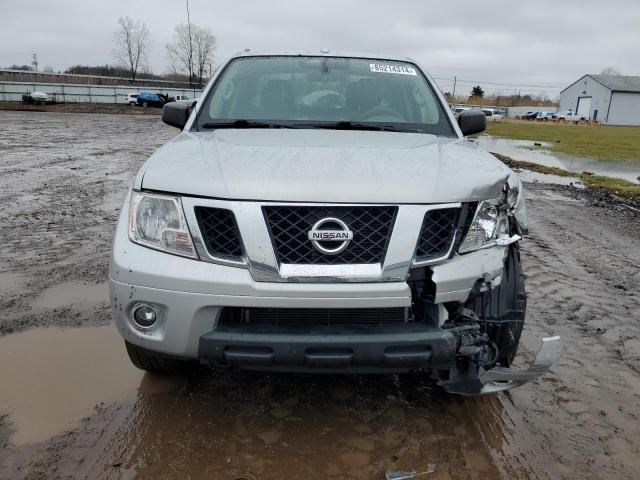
[[438, 231], [293, 317], [219, 232], [289, 227]]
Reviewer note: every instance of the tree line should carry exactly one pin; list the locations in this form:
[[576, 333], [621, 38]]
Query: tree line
[[190, 52]]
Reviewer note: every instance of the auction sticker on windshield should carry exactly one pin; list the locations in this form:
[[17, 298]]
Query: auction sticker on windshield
[[398, 69]]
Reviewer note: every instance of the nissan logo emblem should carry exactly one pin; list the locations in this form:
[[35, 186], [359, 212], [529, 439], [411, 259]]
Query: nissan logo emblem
[[338, 233]]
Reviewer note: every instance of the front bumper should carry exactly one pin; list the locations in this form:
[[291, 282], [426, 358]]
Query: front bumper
[[331, 349], [189, 294]]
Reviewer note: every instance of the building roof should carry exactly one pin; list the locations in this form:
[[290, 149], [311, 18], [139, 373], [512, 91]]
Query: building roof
[[619, 83], [615, 83]]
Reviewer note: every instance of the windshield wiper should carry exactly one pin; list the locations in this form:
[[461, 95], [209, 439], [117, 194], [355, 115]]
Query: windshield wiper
[[242, 123], [349, 125]]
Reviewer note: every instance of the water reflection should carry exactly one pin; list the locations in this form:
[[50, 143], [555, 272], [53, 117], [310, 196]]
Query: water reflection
[[225, 424], [527, 151]]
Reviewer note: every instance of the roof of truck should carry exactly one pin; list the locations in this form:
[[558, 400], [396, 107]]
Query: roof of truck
[[321, 53]]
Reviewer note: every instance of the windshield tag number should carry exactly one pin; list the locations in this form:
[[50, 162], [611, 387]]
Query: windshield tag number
[[397, 69]]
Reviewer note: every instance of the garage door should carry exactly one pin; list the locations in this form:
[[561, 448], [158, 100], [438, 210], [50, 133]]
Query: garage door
[[624, 109], [584, 106]]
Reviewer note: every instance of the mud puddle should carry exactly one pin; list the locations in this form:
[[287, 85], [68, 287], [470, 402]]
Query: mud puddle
[[224, 424], [52, 378], [230, 424], [531, 152]]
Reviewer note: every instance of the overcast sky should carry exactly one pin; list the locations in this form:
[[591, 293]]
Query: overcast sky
[[538, 45]]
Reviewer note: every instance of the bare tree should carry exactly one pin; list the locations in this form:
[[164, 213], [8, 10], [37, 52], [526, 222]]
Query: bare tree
[[132, 41], [610, 71], [204, 49], [191, 52], [180, 51]]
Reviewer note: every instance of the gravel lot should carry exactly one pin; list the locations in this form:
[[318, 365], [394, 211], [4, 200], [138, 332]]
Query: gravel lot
[[71, 406]]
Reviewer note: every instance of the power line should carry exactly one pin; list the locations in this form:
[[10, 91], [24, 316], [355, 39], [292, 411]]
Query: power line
[[510, 84], [483, 82]]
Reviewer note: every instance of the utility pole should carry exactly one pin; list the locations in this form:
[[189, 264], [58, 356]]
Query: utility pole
[[35, 61], [190, 45], [454, 85]]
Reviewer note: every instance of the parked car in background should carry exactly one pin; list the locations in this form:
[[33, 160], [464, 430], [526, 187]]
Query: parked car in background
[[570, 116], [544, 116], [522, 116], [182, 98], [458, 110], [132, 99], [530, 115], [148, 99], [35, 97], [493, 114]]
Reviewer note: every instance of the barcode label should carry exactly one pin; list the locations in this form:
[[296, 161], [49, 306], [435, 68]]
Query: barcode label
[[397, 69]]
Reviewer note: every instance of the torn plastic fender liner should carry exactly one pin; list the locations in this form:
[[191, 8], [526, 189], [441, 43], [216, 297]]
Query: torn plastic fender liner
[[499, 378]]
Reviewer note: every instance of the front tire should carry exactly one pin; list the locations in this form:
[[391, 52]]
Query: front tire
[[156, 363], [503, 308]]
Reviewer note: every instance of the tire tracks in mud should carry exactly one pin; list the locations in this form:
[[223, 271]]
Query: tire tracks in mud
[[582, 284], [64, 177]]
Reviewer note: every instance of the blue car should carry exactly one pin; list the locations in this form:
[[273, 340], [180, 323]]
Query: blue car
[[148, 99]]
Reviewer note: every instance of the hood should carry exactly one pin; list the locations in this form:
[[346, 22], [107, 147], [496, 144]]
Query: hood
[[332, 166]]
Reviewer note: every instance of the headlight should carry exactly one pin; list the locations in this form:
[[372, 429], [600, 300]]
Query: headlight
[[157, 221], [490, 223]]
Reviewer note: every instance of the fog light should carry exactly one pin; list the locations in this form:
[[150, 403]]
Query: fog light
[[145, 316]]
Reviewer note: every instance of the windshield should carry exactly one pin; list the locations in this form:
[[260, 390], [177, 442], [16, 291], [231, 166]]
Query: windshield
[[323, 92]]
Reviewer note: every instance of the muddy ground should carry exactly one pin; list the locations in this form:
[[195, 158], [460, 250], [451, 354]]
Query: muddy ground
[[71, 406]]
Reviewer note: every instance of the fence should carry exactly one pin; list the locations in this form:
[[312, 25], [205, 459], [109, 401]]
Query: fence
[[72, 93], [29, 76]]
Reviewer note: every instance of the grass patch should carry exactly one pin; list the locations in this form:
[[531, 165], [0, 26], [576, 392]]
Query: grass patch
[[615, 186], [599, 141]]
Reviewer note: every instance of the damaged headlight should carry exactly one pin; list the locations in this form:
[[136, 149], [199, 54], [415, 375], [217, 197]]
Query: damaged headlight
[[490, 226], [157, 221]]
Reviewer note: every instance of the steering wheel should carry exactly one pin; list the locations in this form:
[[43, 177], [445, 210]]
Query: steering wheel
[[330, 100], [383, 112]]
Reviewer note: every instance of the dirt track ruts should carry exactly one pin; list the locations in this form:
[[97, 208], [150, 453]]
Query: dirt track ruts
[[62, 181]]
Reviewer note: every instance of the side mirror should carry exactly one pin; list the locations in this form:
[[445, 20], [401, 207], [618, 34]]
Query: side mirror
[[472, 121], [176, 114]]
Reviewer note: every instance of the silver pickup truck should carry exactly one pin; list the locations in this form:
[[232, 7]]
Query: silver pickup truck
[[322, 212]]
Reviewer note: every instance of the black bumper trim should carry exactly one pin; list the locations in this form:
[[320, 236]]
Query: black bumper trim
[[346, 350]]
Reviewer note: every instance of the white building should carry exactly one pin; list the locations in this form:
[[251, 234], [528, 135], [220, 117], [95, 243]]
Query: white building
[[608, 99]]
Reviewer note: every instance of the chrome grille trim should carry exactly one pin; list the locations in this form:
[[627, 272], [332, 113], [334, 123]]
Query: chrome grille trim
[[260, 258], [289, 227]]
